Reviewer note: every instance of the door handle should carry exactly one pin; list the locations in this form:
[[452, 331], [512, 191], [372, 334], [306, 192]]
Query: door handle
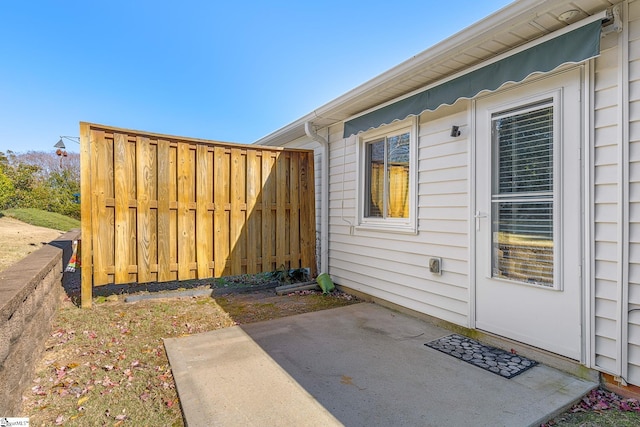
[[478, 215]]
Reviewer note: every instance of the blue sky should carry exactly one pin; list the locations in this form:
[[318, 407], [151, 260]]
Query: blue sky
[[232, 71]]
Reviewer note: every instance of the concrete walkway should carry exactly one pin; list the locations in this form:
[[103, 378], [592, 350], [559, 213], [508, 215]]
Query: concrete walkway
[[360, 365]]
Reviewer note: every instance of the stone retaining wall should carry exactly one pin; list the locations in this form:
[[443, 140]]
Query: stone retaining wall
[[30, 294]]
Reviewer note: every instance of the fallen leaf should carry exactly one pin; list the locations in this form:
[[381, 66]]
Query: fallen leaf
[[38, 390], [82, 400]]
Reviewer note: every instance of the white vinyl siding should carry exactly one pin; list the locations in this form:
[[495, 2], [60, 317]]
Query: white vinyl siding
[[606, 206], [394, 266], [633, 374], [617, 205]]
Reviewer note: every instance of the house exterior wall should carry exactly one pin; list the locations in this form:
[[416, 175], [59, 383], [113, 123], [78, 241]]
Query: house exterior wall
[[394, 267], [633, 349], [616, 201], [606, 205]]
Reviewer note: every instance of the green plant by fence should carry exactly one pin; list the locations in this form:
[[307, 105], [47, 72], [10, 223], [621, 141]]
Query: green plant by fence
[[162, 208]]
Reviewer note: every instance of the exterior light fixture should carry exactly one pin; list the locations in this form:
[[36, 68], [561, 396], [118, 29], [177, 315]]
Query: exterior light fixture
[[568, 15], [61, 149]]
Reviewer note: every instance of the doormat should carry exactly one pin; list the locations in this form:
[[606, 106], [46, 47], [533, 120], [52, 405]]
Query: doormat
[[492, 359]]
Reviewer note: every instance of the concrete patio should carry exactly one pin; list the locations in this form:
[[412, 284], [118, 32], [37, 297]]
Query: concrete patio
[[360, 365]]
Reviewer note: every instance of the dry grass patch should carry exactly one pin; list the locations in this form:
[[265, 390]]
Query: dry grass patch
[[19, 239], [108, 366]]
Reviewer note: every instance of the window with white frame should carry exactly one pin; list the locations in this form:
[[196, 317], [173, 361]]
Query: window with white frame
[[387, 167], [522, 198]]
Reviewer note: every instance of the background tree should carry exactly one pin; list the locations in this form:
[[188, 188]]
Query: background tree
[[40, 180], [6, 189]]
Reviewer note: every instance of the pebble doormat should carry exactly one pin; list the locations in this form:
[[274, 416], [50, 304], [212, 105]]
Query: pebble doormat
[[492, 359]]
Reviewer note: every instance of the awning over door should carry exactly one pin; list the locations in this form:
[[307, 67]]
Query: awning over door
[[574, 46]]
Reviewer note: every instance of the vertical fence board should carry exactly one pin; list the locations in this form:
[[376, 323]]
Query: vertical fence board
[[253, 191], [294, 212], [184, 169], [173, 209], [164, 208], [122, 185], [164, 217], [144, 170], [281, 190], [236, 220], [86, 208], [99, 208], [267, 213], [203, 218], [152, 182], [108, 225], [221, 235]]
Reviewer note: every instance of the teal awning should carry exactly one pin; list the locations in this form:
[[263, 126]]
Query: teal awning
[[572, 47]]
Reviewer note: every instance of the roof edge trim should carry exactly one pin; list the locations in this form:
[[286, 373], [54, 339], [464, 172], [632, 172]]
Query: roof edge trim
[[575, 43]]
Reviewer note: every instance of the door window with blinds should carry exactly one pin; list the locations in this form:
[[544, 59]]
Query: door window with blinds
[[524, 243], [387, 168]]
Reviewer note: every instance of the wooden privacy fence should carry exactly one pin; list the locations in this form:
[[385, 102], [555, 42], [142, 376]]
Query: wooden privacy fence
[[162, 208]]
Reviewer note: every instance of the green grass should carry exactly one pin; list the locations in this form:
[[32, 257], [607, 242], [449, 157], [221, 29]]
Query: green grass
[[42, 218]]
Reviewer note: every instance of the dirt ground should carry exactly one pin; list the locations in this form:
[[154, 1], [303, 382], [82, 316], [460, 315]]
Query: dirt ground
[[107, 365], [19, 239]]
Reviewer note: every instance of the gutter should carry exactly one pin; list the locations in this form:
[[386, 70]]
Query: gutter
[[324, 196]]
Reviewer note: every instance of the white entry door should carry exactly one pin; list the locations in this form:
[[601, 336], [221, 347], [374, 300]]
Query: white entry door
[[529, 216]]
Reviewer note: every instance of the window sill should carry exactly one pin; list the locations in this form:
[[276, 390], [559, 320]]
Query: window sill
[[388, 228]]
